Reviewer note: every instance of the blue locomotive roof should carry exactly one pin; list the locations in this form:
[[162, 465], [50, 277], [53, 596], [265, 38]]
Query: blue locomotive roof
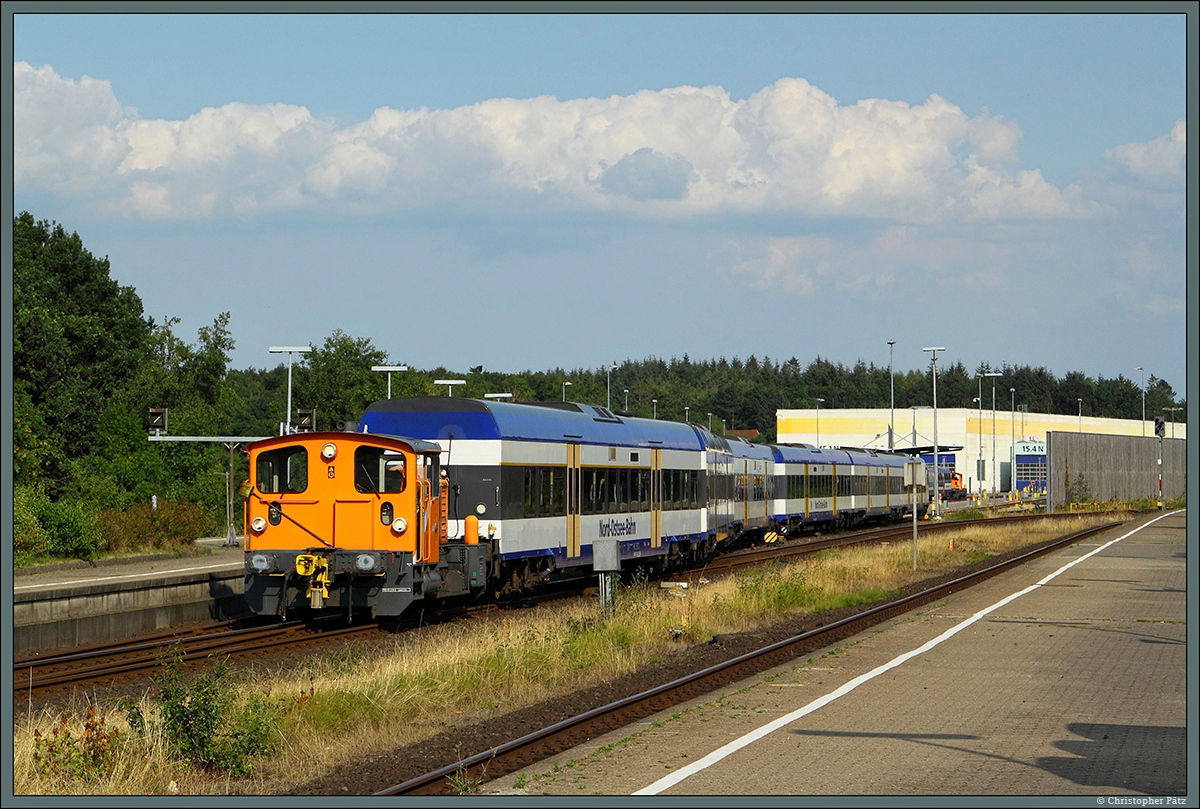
[[437, 418]]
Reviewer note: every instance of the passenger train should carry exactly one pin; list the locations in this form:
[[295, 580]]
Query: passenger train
[[437, 497]]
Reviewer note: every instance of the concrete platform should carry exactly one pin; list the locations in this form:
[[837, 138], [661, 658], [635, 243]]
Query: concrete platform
[[78, 603], [1066, 677]]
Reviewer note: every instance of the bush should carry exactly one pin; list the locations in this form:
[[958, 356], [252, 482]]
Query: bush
[[170, 526], [69, 530], [206, 722], [29, 537]]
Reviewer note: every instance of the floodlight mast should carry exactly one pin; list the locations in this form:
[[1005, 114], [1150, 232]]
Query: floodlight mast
[[937, 482], [289, 350], [389, 369]]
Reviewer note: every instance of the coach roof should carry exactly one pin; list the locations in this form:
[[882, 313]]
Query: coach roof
[[435, 418]]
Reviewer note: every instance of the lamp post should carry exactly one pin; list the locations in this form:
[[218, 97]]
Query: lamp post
[[686, 411], [626, 400], [1080, 413], [1012, 393], [993, 481], [497, 395], [937, 486], [892, 384], [1143, 389], [655, 402], [565, 390], [449, 383], [289, 350], [710, 422], [608, 402], [389, 369], [978, 400], [819, 421], [1173, 411]]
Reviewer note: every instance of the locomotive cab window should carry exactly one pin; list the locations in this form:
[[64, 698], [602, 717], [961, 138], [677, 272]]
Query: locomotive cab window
[[379, 471], [282, 471]]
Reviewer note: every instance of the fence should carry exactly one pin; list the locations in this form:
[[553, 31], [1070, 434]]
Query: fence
[[1083, 466]]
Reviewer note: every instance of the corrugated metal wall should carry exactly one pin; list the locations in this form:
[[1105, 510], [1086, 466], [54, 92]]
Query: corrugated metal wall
[[1114, 467]]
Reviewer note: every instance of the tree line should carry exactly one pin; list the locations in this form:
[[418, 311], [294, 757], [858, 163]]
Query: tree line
[[88, 366]]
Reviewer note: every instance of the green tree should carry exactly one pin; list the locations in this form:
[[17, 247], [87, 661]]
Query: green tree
[[78, 336], [336, 379]]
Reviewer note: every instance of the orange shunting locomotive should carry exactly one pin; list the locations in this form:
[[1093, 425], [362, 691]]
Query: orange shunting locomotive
[[352, 521]]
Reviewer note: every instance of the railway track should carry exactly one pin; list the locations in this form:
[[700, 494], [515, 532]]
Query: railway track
[[109, 664], [517, 754], [116, 663]]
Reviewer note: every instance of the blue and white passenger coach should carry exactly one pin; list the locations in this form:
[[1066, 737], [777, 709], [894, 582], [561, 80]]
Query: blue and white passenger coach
[[547, 481]]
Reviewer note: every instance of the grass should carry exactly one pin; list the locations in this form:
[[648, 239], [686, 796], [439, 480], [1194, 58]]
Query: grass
[[350, 704]]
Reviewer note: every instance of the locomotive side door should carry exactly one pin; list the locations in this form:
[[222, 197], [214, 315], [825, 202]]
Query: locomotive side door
[[574, 488]]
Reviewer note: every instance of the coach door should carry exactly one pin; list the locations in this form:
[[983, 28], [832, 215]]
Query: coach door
[[656, 498], [574, 488]]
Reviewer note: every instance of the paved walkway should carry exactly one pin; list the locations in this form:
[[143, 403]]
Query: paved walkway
[[1066, 677]]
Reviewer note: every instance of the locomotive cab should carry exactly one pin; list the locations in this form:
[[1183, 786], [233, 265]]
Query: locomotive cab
[[339, 521]]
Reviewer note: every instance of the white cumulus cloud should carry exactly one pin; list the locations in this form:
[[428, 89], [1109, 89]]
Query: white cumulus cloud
[[1160, 158], [788, 149]]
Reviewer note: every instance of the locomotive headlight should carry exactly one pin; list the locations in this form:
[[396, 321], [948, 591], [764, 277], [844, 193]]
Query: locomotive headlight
[[366, 563], [262, 563], [399, 525], [258, 525], [329, 451], [480, 509]]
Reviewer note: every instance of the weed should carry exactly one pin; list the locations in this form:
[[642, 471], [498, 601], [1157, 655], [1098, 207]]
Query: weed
[[85, 757]]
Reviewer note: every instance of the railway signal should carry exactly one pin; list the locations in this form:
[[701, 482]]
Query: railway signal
[[158, 421]]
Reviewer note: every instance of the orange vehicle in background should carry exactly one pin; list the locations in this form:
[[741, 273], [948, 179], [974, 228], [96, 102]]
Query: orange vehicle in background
[[350, 520]]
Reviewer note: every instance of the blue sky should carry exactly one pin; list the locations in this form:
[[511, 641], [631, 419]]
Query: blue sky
[[542, 191]]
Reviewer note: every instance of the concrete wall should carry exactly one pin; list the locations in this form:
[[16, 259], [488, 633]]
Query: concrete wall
[[1113, 466]]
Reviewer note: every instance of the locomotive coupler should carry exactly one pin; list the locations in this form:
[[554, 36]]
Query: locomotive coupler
[[316, 568]]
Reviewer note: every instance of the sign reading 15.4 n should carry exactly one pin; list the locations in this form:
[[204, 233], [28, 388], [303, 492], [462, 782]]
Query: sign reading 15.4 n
[[1030, 447]]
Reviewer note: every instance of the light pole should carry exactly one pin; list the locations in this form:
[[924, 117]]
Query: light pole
[[978, 400], [289, 350], [655, 401], [1143, 389], [449, 383], [937, 485], [993, 481], [686, 411], [1080, 413], [497, 395], [1012, 393], [608, 402], [627, 400], [819, 421], [710, 422], [892, 384], [389, 369], [1173, 411], [565, 390]]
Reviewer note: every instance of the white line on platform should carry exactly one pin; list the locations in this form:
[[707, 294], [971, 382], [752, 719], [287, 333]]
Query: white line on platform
[[668, 781], [96, 579]]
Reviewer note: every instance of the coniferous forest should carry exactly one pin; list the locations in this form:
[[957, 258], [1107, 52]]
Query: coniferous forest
[[88, 366]]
